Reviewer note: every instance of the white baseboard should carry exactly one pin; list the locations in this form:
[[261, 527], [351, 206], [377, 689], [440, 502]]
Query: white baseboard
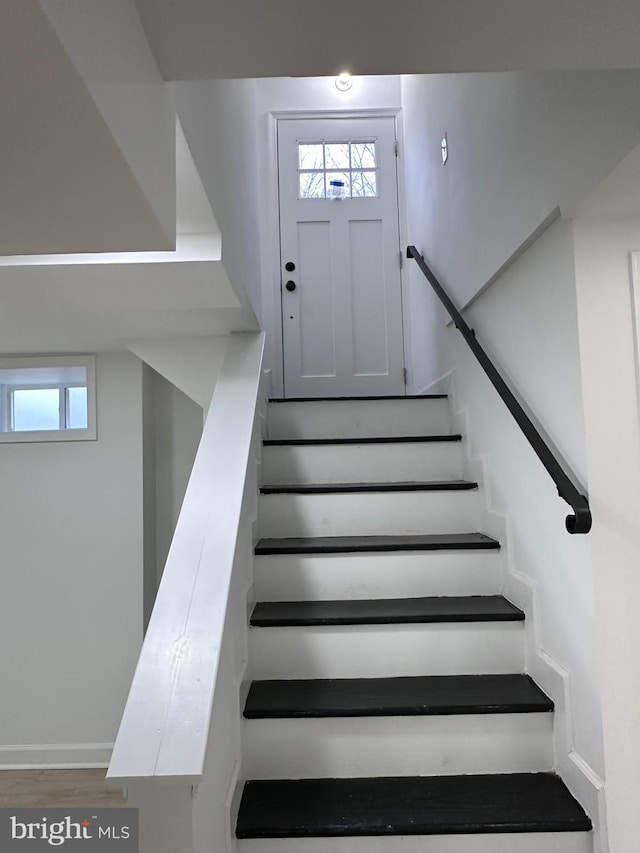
[[55, 756], [442, 385], [583, 782]]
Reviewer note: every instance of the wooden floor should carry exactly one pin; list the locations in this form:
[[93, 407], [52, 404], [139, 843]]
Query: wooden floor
[[57, 789]]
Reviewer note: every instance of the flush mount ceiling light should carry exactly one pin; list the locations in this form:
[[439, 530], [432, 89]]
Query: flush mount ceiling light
[[344, 82]]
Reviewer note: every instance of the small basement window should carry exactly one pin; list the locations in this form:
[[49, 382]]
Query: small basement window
[[47, 398]]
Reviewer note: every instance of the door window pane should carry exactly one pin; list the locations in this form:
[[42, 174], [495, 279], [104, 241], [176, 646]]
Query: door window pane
[[311, 156], [36, 409], [77, 408], [364, 184], [336, 155], [312, 185], [339, 177], [363, 155]]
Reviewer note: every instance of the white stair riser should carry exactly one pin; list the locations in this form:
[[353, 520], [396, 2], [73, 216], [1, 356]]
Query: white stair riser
[[529, 842], [303, 577], [369, 513], [362, 463], [397, 746], [358, 418], [378, 651]]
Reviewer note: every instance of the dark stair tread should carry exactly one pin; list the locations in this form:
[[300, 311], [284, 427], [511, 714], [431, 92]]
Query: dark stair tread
[[348, 488], [406, 696], [381, 439], [360, 544], [385, 611], [356, 399], [425, 805]]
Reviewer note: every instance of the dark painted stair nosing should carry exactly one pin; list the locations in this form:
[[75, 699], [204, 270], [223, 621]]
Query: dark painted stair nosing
[[431, 695], [356, 399], [410, 805], [362, 488], [377, 544], [385, 611], [381, 439]]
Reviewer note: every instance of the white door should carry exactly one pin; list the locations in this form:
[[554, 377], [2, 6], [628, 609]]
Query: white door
[[340, 258]]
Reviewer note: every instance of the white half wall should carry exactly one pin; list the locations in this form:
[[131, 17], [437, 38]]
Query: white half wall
[[72, 575]]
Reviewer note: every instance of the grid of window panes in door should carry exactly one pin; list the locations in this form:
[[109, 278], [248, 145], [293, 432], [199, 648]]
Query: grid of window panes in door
[[352, 163]]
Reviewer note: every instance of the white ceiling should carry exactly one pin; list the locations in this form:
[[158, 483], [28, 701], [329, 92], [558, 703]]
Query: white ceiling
[[65, 184], [201, 39]]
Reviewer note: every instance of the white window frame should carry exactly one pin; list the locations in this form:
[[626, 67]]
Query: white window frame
[[88, 362]]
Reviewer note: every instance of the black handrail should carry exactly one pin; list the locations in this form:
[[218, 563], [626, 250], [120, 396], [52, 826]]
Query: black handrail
[[580, 522]]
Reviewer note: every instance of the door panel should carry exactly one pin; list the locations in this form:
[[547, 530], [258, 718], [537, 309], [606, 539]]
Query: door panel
[[342, 324], [368, 298], [315, 302]]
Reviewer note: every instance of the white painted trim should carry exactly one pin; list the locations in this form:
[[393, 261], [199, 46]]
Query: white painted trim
[[583, 782], [403, 232], [442, 385], [271, 275], [382, 112], [527, 243], [634, 274], [271, 292], [164, 732], [55, 756]]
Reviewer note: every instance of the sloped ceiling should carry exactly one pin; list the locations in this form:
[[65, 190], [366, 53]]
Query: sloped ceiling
[[65, 184]]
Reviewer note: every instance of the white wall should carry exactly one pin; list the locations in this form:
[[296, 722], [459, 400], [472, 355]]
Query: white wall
[[307, 94], [528, 322], [320, 93], [613, 459], [72, 555], [520, 145], [177, 427], [523, 148], [218, 119]]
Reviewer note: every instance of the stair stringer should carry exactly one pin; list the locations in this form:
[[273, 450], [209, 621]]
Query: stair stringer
[[581, 779]]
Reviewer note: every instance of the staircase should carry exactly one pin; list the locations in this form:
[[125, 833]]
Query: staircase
[[389, 710]]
